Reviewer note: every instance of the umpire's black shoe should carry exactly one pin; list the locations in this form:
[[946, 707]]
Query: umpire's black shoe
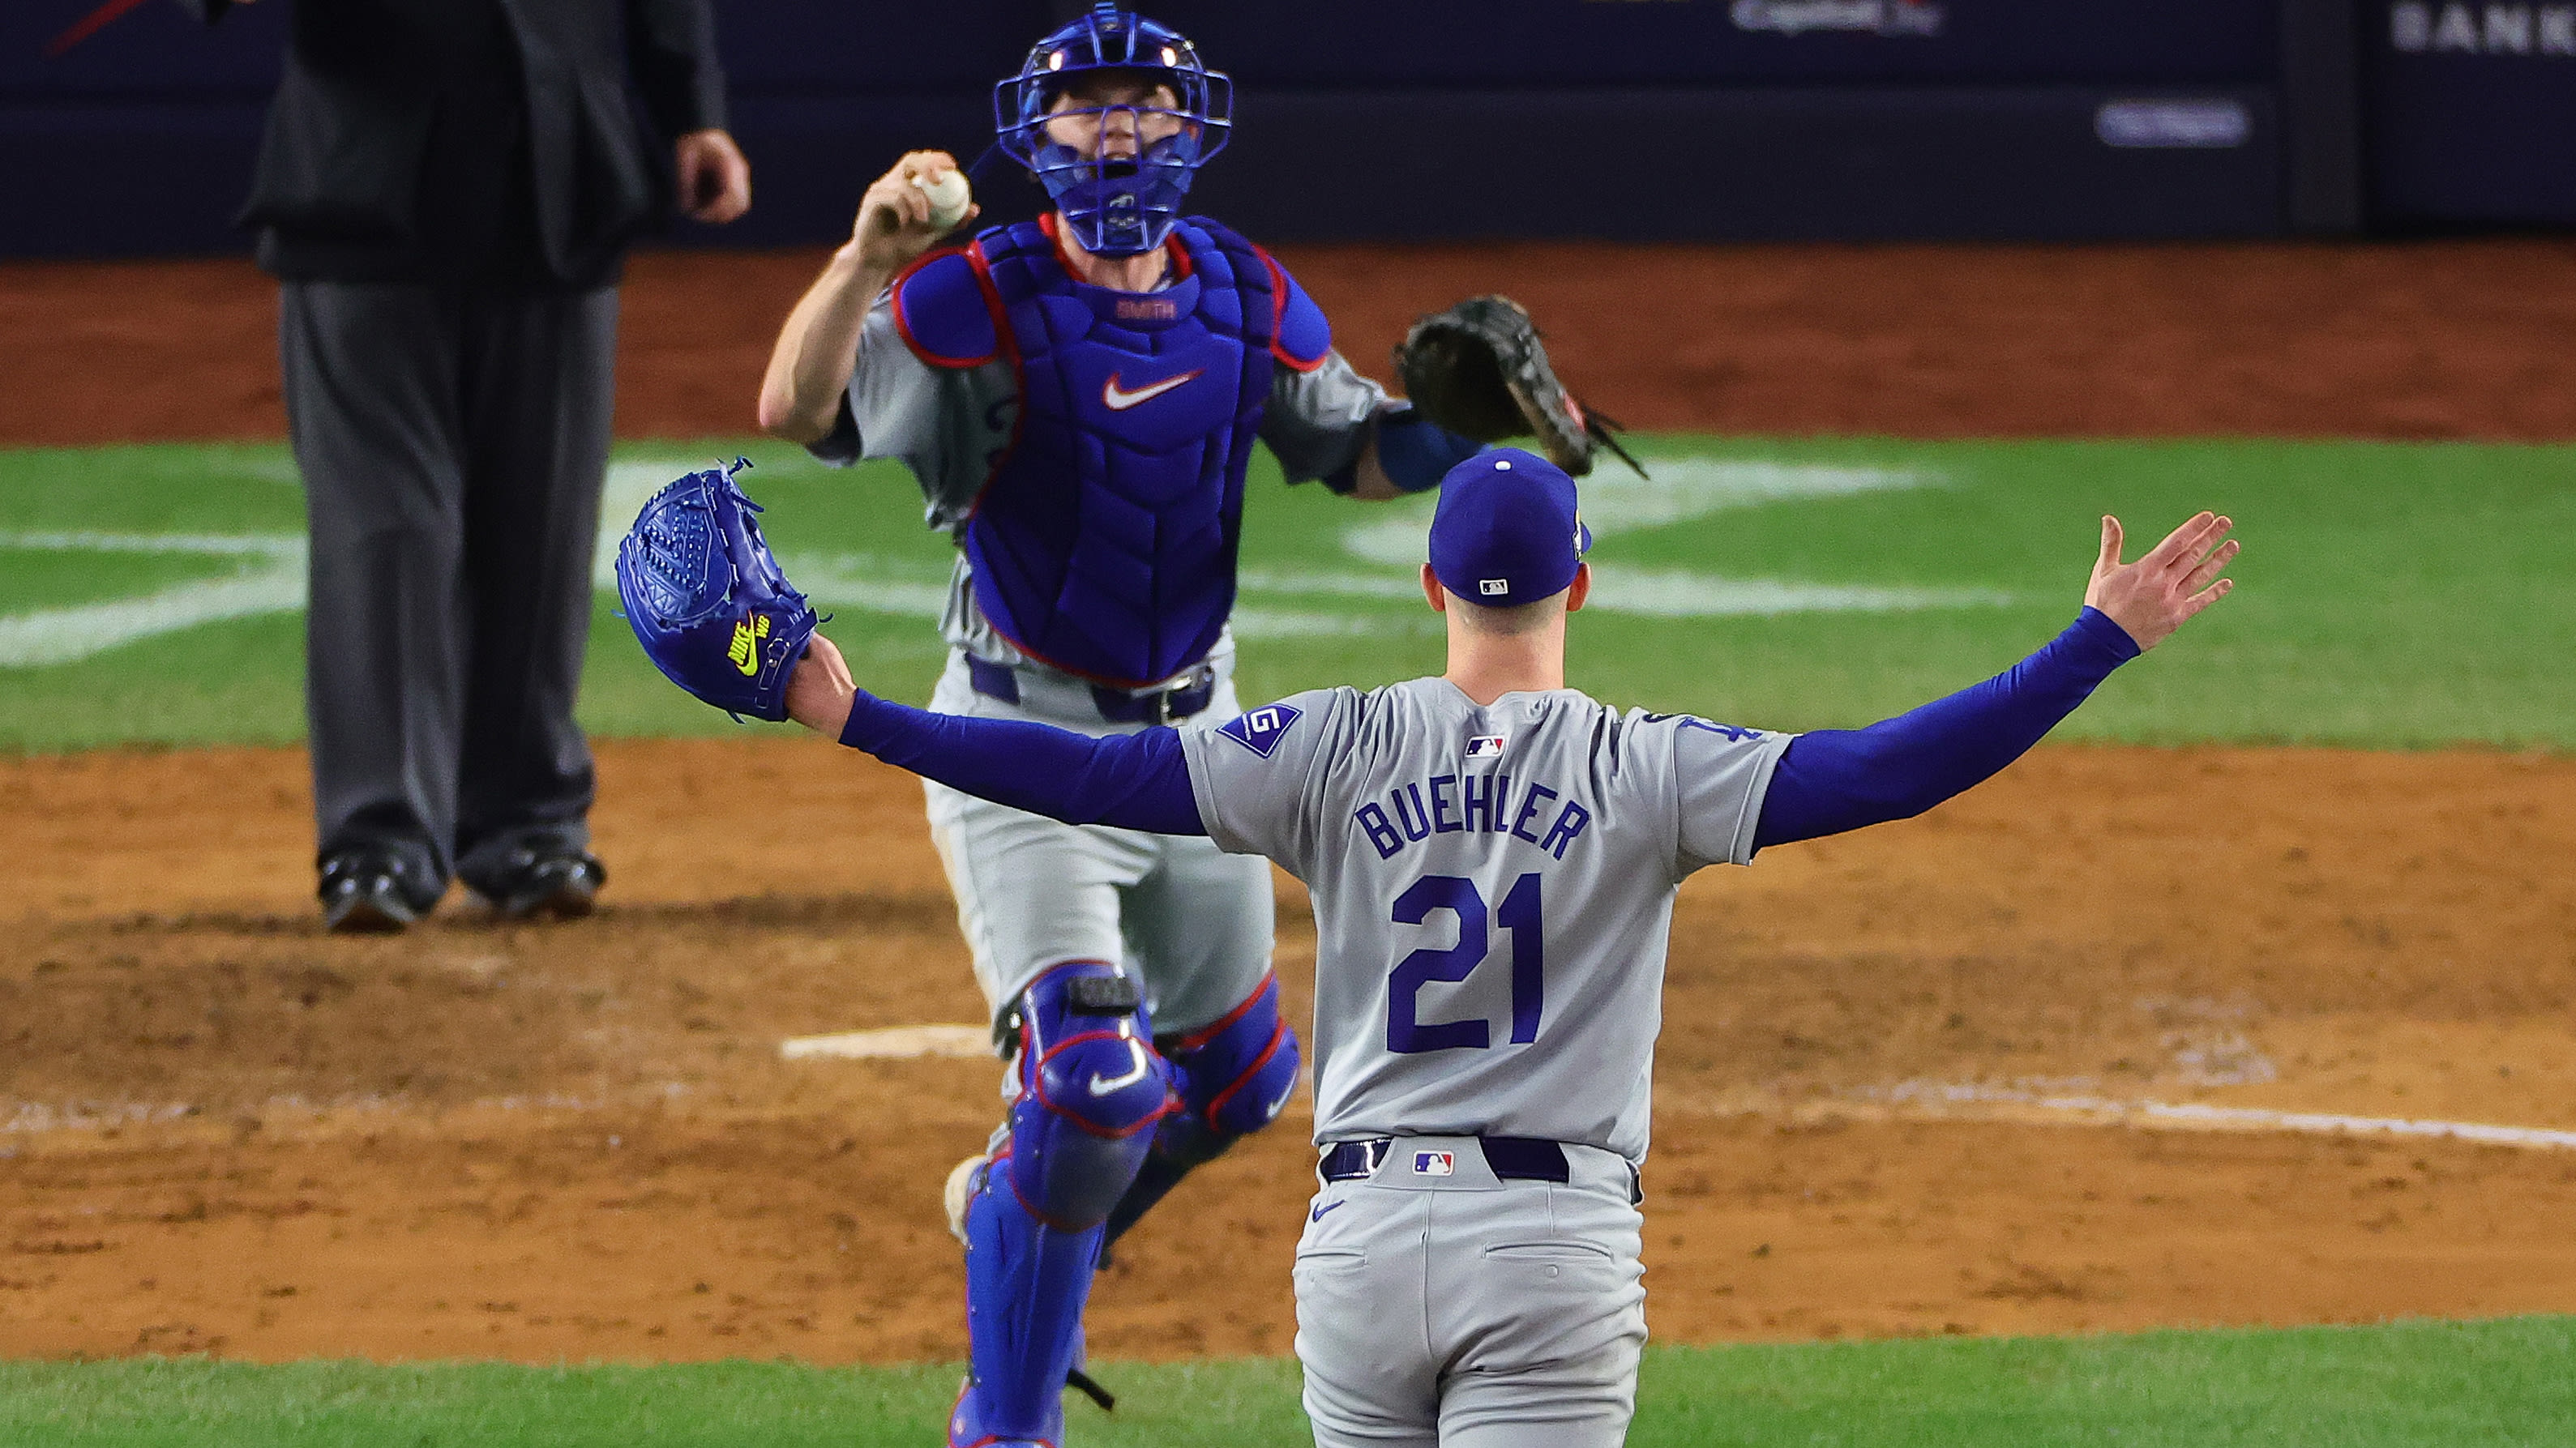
[[368, 894], [560, 884]]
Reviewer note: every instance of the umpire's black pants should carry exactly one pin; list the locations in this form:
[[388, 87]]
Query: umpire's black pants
[[453, 445]]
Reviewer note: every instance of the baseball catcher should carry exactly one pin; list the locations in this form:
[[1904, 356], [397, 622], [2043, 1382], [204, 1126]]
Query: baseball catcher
[[711, 607]]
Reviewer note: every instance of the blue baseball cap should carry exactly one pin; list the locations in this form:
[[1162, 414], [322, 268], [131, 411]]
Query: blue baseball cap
[[1508, 530]]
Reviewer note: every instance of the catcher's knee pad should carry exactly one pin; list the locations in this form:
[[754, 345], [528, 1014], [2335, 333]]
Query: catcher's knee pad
[[1232, 1079], [1091, 1088], [1235, 1075]]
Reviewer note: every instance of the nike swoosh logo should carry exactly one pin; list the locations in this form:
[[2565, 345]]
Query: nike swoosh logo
[[1103, 1085], [1318, 1214], [1274, 1107], [1119, 399]]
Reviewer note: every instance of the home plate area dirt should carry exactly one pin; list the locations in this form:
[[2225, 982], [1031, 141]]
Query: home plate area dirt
[[222, 1131]]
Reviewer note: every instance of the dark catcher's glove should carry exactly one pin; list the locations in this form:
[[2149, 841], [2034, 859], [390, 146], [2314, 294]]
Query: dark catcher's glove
[[707, 600], [1478, 369]]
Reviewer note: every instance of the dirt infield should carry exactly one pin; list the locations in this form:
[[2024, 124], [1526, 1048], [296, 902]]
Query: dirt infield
[[235, 1134], [2429, 340]]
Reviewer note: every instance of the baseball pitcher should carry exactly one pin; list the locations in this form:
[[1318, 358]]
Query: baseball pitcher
[[1493, 859]]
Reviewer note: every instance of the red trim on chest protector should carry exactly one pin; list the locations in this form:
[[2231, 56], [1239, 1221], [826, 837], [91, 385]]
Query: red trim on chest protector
[[1007, 342], [1279, 315], [974, 257]]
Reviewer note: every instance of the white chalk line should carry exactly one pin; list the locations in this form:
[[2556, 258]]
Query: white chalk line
[[893, 1043], [267, 577], [270, 577], [1935, 1101]]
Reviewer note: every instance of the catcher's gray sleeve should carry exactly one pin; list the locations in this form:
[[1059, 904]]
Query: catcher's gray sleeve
[[1720, 774], [1317, 422], [946, 424], [1257, 778]]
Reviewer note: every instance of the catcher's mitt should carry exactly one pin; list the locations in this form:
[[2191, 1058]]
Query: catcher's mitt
[[1478, 369], [708, 602]]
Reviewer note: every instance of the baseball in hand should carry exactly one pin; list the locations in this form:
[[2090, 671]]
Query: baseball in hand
[[949, 197]]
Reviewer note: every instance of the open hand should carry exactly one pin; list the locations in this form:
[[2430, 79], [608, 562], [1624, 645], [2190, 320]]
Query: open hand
[[819, 693], [2175, 580]]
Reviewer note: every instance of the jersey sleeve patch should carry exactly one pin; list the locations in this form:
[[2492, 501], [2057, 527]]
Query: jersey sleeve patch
[[1733, 734], [1300, 335], [941, 310], [1260, 730]]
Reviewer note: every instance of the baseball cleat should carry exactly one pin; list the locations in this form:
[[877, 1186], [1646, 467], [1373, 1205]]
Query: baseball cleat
[[363, 895], [964, 1179], [555, 886]]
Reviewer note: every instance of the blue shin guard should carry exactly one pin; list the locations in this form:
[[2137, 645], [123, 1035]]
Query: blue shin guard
[[1025, 1286], [1091, 1089]]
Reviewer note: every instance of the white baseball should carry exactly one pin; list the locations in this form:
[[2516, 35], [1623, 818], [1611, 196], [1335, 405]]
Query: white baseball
[[949, 197]]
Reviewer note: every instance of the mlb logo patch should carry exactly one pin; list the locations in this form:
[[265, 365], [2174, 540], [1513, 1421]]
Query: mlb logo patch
[[1435, 1163], [1260, 730], [1487, 746], [1493, 587]]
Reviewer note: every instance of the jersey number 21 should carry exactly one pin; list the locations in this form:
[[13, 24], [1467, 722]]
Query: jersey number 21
[[1519, 914]]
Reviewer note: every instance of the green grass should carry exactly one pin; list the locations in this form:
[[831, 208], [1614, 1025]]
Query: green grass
[[2501, 1382], [2391, 595]]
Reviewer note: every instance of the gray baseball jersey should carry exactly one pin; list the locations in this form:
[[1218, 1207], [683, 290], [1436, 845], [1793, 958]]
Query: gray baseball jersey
[[948, 425], [1493, 890]]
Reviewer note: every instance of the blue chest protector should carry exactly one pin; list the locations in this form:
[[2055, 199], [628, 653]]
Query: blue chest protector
[[1104, 539]]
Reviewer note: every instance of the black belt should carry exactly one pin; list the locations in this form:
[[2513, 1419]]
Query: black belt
[[1512, 1158], [1180, 701]]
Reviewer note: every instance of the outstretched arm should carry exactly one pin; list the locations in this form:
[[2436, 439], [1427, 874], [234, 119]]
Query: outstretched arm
[[1842, 779], [1131, 781]]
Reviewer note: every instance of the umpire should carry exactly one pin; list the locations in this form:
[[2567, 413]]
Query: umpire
[[445, 194]]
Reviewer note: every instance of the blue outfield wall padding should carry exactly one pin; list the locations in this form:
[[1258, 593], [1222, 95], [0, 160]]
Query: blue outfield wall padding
[[126, 179], [154, 52], [2471, 113], [1749, 165], [1517, 44], [1663, 164]]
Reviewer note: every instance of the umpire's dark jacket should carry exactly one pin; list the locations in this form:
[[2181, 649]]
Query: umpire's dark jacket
[[474, 140]]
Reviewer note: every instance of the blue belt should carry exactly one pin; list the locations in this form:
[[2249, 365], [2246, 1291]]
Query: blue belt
[[1179, 701]]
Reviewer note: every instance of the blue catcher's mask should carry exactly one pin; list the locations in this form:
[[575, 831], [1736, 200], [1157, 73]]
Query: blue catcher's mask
[[1123, 199]]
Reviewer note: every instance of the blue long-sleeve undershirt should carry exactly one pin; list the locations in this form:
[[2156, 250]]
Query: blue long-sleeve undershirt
[[1834, 780], [1827, 782], [1133, 781]]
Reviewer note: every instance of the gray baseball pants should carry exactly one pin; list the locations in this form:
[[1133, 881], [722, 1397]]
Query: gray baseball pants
[[1440, 1305], [1190, 922]]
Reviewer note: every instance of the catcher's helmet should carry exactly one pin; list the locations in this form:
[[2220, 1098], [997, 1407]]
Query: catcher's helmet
[[1119, 206]]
